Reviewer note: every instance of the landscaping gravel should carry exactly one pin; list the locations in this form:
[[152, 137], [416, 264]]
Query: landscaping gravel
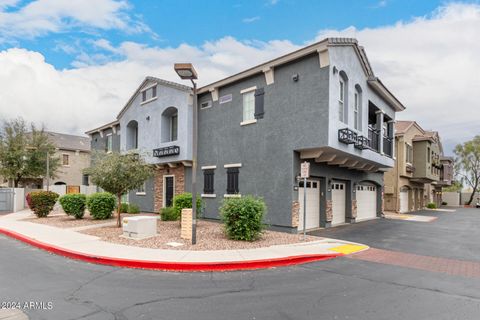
[[210, 236], [61, 220]]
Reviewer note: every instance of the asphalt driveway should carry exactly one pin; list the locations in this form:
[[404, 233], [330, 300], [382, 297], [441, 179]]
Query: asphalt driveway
[[452, 235]]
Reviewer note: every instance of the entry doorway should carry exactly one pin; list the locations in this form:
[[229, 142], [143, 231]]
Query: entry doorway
[[168, 190]]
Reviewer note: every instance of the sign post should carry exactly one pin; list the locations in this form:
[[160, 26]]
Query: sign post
[[305, 173]]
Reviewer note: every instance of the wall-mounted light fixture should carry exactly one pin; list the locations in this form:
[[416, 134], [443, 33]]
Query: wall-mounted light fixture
[[354, 187], [329, 185], [148, 118]]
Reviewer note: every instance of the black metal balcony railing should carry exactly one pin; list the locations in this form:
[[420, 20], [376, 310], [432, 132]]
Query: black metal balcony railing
[[347, 136], [388, 146], [373, 139]]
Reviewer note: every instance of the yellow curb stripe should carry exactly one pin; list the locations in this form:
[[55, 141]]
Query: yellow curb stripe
[[348, 248]]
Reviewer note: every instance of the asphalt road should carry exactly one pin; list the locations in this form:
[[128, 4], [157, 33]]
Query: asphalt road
[[336, 289]]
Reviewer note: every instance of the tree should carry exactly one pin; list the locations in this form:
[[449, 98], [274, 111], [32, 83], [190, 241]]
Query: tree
[[467, 164], [24, 150], [119, 173], [456, 186]]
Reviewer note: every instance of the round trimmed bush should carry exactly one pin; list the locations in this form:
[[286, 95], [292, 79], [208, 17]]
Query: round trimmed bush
[[431, 205], [42, 202], [184, 201], [101, 205], [133, 208], [168, 214], [243, 217], [74, 204]]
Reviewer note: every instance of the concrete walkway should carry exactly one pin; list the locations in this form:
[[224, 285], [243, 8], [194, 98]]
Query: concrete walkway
[[59, 240]]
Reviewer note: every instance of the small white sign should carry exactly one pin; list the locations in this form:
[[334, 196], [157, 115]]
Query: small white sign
[[305, 170]]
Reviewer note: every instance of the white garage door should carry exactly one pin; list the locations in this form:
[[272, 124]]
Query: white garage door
[[313, 205], [403, 201], [338, 203], [366, 202]]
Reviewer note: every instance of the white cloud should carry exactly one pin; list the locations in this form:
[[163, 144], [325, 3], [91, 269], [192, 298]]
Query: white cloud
[[429, 63], [89, 95], [41, 17], [251, 19]]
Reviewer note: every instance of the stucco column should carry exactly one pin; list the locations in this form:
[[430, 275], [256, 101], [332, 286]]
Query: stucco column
[[379, 128]]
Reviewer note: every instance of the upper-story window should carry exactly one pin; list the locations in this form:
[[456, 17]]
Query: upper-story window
[[149, 93], [342, 96], [174, 127], [249, 105], [357, 108], [132, 135], [109, 143], [428, 154], [65, 160], [169, 124], [408, 154]]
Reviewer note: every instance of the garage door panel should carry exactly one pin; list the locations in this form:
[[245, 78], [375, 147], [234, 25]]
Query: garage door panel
[[338, 203], [313, 205], [403, 201], [366, 202]]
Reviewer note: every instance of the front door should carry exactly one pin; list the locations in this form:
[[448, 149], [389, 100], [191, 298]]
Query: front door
[[169, 186]]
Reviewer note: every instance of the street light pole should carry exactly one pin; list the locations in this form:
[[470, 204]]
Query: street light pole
[[187, 71], [48, 171]]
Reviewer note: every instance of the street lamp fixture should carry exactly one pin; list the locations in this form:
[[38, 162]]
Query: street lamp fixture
[[186, 71]]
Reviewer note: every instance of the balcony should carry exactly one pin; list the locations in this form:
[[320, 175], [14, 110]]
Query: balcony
[[388, 146], [373, 139]]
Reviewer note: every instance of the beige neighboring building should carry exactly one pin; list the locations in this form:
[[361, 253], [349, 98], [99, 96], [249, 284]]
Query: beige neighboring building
[[74, 154], [420, 169]]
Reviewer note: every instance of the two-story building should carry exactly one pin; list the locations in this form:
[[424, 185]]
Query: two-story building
[[321, 104], [154, 123], [415, 179]]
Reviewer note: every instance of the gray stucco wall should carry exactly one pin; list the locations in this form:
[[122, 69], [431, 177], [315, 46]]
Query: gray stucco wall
[[149, 119], [98, 143], [145, 202], [296, 117]]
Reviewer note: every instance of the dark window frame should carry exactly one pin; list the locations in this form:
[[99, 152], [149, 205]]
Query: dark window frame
[[232, 180], [209, 181]]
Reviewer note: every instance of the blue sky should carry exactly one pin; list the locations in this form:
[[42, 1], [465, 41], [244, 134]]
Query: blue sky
[[181, 21], [80, 60]]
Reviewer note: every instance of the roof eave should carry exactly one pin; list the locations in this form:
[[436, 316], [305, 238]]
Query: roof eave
[[380, 89]]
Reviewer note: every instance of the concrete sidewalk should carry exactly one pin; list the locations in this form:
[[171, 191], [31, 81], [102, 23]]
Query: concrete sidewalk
[[67, 242]]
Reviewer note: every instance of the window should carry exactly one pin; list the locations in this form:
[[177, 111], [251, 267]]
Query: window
[[174, 127], [85, 180], [149, 93], [154, 92], [141, 189], [408, 154], [428, 155], [206, 104], [356, 107], [144, 96], [208, 184], [341, 101], [249, 106], [132, 135], [109, 144], [65, 160], [232, 181]]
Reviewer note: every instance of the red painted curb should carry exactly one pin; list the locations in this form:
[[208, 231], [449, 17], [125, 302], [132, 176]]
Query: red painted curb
[[172, 266]]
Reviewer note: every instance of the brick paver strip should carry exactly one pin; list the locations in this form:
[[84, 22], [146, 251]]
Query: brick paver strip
[[414, 261]]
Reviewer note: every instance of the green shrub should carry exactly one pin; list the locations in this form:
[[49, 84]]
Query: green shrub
[[124, 207], [184, 200], [42, 202], [74, 204], [101, 205], [243, 217], [431, 205], [444, 203], [168, 214], [133, 208]]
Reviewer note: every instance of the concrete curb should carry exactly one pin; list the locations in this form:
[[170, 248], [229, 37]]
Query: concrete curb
[[172, 266]]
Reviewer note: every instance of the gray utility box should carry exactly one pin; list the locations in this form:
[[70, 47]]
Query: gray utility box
[[140, 227]]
